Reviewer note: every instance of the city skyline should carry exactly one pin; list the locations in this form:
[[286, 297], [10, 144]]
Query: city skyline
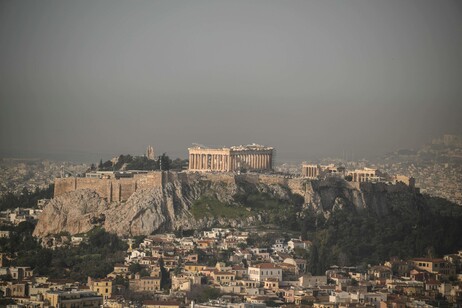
[[88, 80]]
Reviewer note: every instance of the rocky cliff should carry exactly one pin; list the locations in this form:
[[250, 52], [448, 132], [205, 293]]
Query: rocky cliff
[[168, 208]]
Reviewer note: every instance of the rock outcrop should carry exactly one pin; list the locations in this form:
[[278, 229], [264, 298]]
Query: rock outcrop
[[75, 212], [167, 208]]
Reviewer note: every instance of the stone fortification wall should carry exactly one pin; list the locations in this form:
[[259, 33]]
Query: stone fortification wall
[[227, 178], [111, 189], [182, 177], [63, 185], [100, 186], [121, 189], [273, 180], [152, 179], [127, 186]]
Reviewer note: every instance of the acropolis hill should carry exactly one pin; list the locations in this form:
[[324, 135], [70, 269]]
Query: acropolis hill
[[120, 189], [142, 202], [219, 165], [166, 201]]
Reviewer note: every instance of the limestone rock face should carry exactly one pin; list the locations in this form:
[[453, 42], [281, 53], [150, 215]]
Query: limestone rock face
[[150, 210], [143, 213], [168, 208], [75, 212]]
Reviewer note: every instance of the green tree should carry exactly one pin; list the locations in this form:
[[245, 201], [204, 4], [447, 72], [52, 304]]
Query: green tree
[[165, 281], [135, 268], [164, 162]]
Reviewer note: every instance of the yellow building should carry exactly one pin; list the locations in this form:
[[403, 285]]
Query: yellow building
[[103, 287], [223, 277], [145, 284], [435, 266], [73, 299], [193, 268]]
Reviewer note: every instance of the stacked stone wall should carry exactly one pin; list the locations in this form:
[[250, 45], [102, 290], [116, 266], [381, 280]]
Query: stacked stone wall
[[64, 185], [111, 189], [127, 187], [150, 180], [229, 178], [273, 180], [98, 185]]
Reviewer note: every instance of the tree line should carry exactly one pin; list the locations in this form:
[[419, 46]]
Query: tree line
[[25, 199], [129, 162]]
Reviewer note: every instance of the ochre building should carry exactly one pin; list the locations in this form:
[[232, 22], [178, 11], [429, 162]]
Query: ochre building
[[252, 157]]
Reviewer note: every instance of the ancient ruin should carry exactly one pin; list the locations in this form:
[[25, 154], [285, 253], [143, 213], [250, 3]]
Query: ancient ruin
[[252, 157]]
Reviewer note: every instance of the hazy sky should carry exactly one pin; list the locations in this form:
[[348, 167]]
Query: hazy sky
[[90, 79]]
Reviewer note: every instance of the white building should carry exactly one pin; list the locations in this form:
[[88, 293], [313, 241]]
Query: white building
[[260, 272]]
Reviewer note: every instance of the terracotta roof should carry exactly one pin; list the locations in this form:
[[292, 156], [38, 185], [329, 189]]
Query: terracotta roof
[[237, 267], [428, 260], [223, 273]]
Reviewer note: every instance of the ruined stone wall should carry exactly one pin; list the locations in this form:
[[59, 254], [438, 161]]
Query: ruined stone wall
[[227, 178], [127, 188], [273, 180], [121, 189]]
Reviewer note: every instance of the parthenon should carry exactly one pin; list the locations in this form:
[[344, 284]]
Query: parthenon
[[252, 157]]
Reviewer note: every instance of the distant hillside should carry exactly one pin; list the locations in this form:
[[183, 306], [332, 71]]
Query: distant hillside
[[20, 175]]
